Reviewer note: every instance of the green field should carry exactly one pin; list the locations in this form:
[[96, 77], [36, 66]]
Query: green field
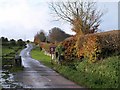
[[103, 74], [6, 50], [8, 54]]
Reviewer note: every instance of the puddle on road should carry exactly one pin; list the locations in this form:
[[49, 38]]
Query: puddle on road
[[7, 81]]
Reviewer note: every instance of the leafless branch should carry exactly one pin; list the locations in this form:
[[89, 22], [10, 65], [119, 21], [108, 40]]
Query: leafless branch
[[84, 14]]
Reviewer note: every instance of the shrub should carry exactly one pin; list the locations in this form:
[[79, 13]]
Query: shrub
[[99, 45], [88, 47], [46, 46], [92, 46], [70, 50], [109, 43]]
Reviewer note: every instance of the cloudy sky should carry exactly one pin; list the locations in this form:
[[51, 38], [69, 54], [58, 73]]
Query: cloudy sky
[[24, 18]]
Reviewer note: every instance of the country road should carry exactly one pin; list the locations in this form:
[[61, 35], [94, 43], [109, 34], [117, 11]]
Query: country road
[[36, 75]]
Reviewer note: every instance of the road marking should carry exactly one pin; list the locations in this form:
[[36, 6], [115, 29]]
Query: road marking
[[28, 53], [47, 79]]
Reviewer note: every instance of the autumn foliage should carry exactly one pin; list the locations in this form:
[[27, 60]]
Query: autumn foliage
[[70, 50], [36, 39], [93, 46], [46, 46]]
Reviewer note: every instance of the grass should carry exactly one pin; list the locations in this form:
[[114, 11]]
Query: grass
[[6, 50], [16, 69], [8, 55], [103, 74], [39, 55]]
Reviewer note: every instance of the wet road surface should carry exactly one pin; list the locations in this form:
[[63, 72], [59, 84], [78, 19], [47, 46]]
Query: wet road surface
[[36, 75]]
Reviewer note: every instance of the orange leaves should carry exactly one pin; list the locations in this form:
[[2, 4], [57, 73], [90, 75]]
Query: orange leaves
[[100, 45], [36, 39], [91, 47], [87, 47], [70, 50], [77, 26], [84, 46]]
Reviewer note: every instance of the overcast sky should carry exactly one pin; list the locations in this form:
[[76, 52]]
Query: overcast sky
[[24, 18]]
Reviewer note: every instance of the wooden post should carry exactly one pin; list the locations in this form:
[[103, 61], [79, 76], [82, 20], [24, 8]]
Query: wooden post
[[51, 58], [18, 61]]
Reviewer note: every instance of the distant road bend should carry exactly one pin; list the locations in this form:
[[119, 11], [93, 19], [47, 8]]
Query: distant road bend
[[36, 75]]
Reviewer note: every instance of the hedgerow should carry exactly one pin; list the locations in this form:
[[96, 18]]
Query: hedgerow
[[70, 50], [93, 46], [106, 44]]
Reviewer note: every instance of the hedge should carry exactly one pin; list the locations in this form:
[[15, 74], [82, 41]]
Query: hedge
[[92, 46], [100, 45], [70, 50]]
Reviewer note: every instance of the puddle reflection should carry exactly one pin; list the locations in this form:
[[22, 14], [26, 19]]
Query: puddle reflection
[[7, 80]]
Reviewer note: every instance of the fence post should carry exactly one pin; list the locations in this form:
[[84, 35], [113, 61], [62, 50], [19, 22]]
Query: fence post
[[18, 61]]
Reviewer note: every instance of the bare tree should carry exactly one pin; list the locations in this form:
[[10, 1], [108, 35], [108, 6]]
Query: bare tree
[[84, 16]]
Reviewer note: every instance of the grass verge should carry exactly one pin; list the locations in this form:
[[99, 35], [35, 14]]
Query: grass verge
[[103, 74], [16, 69], [39, 55]]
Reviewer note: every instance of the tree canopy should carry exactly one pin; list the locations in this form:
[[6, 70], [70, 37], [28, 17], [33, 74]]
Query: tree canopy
[[57, 35], [42, 36], [83, 15], [39, 37]]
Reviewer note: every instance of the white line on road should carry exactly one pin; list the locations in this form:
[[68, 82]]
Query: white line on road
[[47, 78], [28, 53]]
